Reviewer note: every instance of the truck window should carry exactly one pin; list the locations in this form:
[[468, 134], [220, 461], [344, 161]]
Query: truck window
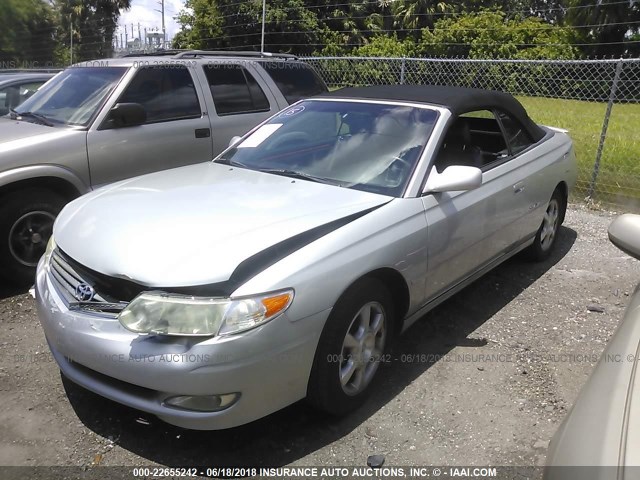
[[74, 96], [295, 80], [166, 92], [235, 90]]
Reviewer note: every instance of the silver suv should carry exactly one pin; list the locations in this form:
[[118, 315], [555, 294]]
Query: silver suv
[[103, 121]]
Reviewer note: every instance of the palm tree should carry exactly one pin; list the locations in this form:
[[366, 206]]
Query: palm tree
[[416, 14], [613, 22]]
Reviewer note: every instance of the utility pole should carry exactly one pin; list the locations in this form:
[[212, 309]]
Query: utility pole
[[164, 35], [71, 39], [264, 11]]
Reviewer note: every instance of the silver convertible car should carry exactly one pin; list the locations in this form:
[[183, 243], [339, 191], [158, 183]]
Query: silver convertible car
[[215, 294]]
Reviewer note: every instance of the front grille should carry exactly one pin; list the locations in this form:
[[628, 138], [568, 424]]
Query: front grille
[[66, 279], [113, 294]]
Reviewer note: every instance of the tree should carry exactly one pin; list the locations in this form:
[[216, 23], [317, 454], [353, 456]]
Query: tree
[[418, 14], [201, 25], [26, 32], [92, 24], [211, 24], [387, 46], [612, 23], [488, 34]]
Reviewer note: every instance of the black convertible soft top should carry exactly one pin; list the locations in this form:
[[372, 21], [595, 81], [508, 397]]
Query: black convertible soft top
[[456, 99]]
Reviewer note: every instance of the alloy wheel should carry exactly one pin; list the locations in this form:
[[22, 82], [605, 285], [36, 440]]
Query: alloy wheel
[[362, 348], [550, 224]]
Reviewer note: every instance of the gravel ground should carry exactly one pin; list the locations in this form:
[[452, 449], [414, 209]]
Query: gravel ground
[[481, 380]]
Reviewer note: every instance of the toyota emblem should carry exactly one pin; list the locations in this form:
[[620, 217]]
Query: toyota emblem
[[84, 292]]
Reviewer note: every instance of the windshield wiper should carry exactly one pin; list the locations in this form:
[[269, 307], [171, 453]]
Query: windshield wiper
[[40, 118], [230, 161], [293, 174]]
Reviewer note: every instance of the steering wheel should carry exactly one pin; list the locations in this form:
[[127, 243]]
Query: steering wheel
[[404, 162], [291, 137]]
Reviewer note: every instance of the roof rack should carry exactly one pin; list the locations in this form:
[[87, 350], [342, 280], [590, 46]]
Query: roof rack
[[157, 53], [230, 53]]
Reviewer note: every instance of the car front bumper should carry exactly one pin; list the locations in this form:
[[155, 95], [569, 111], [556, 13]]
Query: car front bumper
[[268, 366]]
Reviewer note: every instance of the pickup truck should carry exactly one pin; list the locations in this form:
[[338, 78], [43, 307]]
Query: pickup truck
[[102, 121]]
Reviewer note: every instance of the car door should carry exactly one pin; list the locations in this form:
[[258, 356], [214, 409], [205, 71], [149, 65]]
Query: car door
[[176, 132], [240, 98], [468, 230]]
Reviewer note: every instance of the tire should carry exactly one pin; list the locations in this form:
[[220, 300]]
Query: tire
[[547, 235], [334, 356], [26, 223]]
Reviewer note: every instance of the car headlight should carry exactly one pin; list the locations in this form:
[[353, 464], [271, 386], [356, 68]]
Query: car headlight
[[51, 246], [170, 314]]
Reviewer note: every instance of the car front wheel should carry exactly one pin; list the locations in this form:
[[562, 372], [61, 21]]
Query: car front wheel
[[26, 224], [351, 348]]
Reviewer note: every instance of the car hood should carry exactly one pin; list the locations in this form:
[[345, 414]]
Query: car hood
[[194, 225], [14, 130]]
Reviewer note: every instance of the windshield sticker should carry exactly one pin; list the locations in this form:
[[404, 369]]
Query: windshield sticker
[[293, 111], [260, 135]]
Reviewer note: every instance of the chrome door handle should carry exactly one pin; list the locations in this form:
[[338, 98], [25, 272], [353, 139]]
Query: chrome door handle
[[518, 187]]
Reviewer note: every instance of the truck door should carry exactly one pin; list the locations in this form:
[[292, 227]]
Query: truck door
[[177, 131]]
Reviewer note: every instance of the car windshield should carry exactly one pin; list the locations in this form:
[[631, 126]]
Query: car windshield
[[72, 97], [361, 145]]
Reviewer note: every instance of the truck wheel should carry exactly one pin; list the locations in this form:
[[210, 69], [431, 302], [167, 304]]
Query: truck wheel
[[26, 223], [351, 348]]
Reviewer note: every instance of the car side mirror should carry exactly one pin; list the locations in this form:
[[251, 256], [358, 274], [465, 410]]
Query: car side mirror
[[127, 115], [624, 233], [453, 178], [235, 139]]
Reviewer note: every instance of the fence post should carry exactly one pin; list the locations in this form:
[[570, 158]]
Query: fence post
[[605, 126], [402, 71]]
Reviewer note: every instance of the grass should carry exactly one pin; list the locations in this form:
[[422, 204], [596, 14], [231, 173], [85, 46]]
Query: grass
[[618, 181]]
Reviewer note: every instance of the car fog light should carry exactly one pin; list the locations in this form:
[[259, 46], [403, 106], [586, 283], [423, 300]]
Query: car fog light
[[202, 403]]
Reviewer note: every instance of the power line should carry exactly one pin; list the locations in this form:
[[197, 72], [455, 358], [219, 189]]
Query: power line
[[382, 30], [473, 44]]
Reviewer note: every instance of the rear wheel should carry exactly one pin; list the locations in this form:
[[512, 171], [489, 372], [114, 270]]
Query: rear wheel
[[26, 224], [547, 235], [351, 348]]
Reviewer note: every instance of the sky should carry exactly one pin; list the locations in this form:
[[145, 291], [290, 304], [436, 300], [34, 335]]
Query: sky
[[144, 12]]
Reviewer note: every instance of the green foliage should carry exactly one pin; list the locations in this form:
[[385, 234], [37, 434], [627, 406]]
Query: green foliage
[[417, 14], [289, 26], [489, 34], [387, 46], [201, 25], [612, 22], [26, 28]]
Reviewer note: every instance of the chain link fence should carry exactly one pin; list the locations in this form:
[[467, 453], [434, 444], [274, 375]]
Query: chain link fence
[[598, 101]]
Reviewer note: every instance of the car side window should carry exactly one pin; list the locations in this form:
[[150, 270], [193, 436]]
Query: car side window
[[473, 139], [9, 98], [235, 90], [166, 93], [518, 137], [28, 89], [295, 80], [14, 95]]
